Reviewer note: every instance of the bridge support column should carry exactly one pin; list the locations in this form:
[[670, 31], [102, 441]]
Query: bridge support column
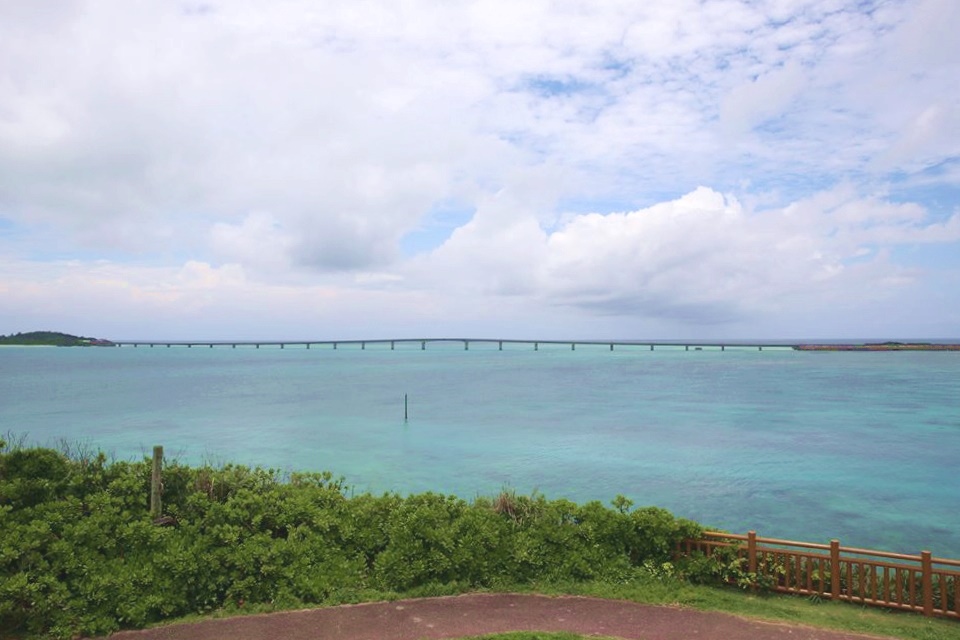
[[500, 346], [466, 345]]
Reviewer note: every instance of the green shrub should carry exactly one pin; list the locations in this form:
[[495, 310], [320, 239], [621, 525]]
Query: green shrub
[[79, 553], [32, 476]]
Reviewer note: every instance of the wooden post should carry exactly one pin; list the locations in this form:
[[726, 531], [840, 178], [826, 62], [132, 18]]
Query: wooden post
[[926, 562], [156, 508], [752, 551], [835, 569], [404, 407]]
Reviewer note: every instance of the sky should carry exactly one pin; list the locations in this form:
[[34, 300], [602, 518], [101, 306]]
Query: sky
[[776, 169]]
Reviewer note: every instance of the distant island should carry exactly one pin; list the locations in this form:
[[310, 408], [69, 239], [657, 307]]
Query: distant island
[[52, 339], [880, 346]]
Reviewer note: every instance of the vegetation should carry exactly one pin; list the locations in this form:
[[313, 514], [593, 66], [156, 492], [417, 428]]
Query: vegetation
[[79, 553], [51, 338], [535, 635]]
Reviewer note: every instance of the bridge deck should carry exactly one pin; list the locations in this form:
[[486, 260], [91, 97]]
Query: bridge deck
[[466, 342]]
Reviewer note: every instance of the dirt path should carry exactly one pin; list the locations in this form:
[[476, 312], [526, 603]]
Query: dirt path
[[476, 614]]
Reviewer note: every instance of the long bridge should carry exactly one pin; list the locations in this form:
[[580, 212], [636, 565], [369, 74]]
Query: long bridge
[[536, 344], [466, 342]]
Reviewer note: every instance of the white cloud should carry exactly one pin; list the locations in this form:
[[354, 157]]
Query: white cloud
[[259, 240], [756, 101], [291, 147], [702, 258]]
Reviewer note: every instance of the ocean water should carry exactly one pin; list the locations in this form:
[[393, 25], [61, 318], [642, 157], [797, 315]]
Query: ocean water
[[864, 447]]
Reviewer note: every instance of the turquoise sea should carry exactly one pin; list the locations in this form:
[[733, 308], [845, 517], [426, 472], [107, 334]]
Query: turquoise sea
[[864, 447]]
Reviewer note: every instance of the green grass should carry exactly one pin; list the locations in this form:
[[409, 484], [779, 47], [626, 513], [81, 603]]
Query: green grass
[[536, 635]]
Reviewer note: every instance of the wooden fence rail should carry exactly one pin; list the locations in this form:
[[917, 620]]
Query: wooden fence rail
[[920, 583]]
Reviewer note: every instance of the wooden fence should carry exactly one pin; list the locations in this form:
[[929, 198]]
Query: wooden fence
[[918, 583]]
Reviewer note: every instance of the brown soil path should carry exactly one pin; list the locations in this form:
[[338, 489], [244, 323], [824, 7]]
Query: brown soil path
[[476, 614]]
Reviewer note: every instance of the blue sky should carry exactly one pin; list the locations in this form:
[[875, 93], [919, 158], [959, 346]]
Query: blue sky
[[659, 169]]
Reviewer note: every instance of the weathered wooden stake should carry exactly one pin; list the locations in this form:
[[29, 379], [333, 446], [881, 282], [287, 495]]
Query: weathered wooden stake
[[156, 509], [404, 407]]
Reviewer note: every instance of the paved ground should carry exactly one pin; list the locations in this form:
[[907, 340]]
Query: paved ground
[[476, 614]]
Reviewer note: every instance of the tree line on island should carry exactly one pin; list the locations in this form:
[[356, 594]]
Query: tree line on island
[[52, 339]]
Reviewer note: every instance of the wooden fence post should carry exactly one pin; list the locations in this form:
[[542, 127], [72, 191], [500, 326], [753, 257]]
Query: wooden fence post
[[834, 569], [752, 551], [156, 509], [926, 563]]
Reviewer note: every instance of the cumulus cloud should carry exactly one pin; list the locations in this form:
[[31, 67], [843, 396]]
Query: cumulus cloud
[[702, 258]]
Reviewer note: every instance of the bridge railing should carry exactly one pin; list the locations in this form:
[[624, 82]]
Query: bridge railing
[[920, 583]]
